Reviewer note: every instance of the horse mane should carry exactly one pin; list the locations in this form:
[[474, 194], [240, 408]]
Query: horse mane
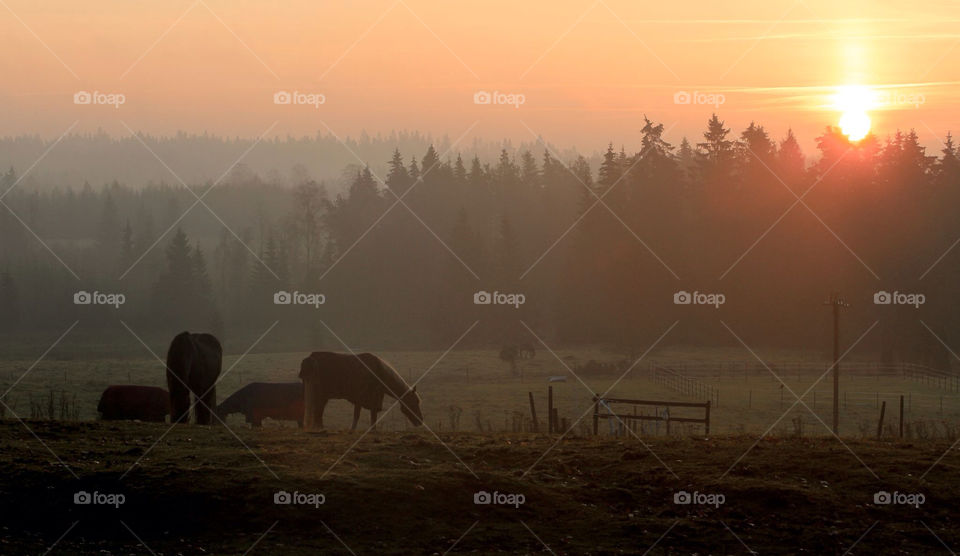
[[395, 384]]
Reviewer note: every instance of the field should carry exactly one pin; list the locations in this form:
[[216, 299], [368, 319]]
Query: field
[[406, 490], [201, 490], [476, 391]]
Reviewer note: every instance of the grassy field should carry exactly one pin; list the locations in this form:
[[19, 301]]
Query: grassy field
[[475, 390], [202, 490], [401, 490]]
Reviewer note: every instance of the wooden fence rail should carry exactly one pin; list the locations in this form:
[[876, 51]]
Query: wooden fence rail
[[599, 402]]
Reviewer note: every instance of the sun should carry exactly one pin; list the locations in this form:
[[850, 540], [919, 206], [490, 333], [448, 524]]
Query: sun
[[853, 101]]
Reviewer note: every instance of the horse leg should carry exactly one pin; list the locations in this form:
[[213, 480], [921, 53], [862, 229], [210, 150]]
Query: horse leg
[[204, 405], [179, 399], [373, 419], [318, 412], [356, 416]]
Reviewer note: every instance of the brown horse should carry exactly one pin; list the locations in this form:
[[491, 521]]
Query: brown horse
[[361, 379], [125, 402], [193, 365], [261, 400]]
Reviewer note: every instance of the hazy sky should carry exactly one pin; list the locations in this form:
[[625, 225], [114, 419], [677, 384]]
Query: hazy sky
[[588, 71]]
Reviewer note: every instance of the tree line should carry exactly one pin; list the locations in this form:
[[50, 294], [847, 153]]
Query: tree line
[[597, 252]]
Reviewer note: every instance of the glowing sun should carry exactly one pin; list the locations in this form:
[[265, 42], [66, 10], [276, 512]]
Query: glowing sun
[[853, 101]]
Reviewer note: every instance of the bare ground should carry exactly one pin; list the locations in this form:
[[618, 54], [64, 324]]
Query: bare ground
[[202, 490]]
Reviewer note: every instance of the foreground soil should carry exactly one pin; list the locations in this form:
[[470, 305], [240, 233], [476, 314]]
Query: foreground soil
[[208, 490]]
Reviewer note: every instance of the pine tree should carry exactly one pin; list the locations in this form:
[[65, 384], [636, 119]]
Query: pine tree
[[687, 160], [506, 174], [529, 173], [200, 276], [476, 178], [717, 153], [459, 171], [430, 161], [948, 168], [179, 263], [414, 171], [791, 164], [609, 171], [398, 180]]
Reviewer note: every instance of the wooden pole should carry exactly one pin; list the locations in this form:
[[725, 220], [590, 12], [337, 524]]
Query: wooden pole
[[550, 426], [883, 409], [707, 418], [533, 413], [596, 415], [901, 416], [836, 302]]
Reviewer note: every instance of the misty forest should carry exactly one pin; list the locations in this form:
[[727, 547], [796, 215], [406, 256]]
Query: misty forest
[[597, 251]]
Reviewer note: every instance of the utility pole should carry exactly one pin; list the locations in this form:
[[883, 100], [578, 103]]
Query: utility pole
[[836, 302]]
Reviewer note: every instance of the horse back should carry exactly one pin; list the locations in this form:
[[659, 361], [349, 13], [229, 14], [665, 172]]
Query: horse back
[[350, 377]]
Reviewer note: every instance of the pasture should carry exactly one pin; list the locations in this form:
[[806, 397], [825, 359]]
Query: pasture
[[401, 490], [473, 390]]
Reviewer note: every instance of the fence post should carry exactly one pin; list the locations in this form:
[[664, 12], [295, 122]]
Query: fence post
[[596, 415], [550, 426], [883, 409], [707, 418], [533, 413], [901, 416]]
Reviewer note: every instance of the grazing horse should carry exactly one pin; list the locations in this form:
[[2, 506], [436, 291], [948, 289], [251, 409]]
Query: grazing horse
[[360, 379], [260, 400], [128, 403], [193, 365]]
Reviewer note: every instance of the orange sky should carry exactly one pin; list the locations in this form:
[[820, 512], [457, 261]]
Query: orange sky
[[588, 71]]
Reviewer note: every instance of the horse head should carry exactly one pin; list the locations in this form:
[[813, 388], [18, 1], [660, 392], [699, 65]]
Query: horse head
[[410, 406]]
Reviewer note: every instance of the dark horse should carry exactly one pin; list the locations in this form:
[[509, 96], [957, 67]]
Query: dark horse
[[260, 400], [193, 365], [124, 402], [360, 379]]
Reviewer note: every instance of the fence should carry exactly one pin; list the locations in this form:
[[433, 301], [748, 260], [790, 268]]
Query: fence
[[685, 385], [945, 380], [666, 417]]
